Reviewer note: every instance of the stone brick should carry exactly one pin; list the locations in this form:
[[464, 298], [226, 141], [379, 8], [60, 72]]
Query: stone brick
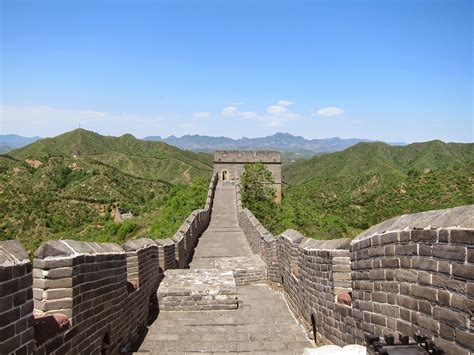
[[425, 250], [424, 235], [443, 236], [427, 323], [446, 331], [449, 283], [449, 347], [378, 319], [404, 236], [391, 263], [425, 264], [425, 307], [390, 311], [460, 236], [406, 275], [424, 278], [470, 255], [465, 271], [456, 319], [406, 249], [450, 252], [404, 327], [424, 292], [465, 338], [408, 302]]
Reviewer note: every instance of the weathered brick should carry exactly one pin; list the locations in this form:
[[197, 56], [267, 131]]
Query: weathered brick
[[443, 236], [406, 249], [424, 235], [449, 347], [378, 319], [424, 292], [408, 302], [465, 338], [427, 323], [450, 252], [465, 271], [425, 307], [390, 311], [462, 236], [456, 319], [406, 275], [425, 250], [424, 278], [391, 262], [425, 264], [450, 283]]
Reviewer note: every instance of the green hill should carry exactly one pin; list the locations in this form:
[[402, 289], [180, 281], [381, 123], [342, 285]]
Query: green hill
[[67, 186], [343, 193]]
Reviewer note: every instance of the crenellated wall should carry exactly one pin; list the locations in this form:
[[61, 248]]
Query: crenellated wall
[[88, 297], [16, 300], [409, 274], [415, 273]]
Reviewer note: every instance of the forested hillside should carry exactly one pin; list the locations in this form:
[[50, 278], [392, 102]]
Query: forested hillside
[[340, 194], [68, 186]]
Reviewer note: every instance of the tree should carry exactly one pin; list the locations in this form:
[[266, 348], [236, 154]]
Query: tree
[[257, 184], [258, 192]]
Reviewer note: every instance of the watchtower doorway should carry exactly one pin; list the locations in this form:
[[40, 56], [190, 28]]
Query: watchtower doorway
[[225, 175]]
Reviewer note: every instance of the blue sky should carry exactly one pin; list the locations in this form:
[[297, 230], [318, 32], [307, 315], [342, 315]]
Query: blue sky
[[388, 70]]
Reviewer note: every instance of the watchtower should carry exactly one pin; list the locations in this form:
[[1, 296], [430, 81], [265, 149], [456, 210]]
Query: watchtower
[[230, 164]]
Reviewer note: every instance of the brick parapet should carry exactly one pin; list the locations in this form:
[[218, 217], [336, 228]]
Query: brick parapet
[[415, 273], [16, 300], [107, 292], [412, 273]]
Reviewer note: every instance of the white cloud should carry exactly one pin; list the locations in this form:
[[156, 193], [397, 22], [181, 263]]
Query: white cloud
[[329, 111], [202, 115], [49, 121], [276, 110], [285, 103], [229, 111], [248, 114]]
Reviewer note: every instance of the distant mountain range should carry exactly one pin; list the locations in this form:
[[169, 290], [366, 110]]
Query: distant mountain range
[[13, 141], [284, 142]]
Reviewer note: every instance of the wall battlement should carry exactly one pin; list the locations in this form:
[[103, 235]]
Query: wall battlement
[[413, 273], [85, 297], [245, 156]]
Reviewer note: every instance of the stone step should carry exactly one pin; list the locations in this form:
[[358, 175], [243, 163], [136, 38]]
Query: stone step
[[197, 290]]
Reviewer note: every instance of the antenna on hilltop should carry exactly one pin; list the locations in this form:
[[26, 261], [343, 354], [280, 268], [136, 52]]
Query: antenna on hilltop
[[79, 124]]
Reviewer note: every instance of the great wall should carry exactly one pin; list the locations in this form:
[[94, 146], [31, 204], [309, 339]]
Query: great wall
[[224, 284]]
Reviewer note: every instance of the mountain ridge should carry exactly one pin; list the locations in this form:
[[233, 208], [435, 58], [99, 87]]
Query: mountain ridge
[[284, 142]]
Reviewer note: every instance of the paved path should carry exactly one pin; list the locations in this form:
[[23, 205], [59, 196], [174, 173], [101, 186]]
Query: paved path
[[262, 324], [223, 237]]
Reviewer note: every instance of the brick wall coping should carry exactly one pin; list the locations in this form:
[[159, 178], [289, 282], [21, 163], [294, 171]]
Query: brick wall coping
[[12, 253], [247, 156], [293, 236], [70, 248], [457, 217], [333, 244], [137, 244], [164, 242]]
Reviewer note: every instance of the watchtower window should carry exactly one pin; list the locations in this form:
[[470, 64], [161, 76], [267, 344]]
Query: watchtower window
[[225, 175]]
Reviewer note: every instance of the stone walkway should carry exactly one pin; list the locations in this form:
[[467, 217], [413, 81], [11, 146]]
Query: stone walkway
[[263, 322]]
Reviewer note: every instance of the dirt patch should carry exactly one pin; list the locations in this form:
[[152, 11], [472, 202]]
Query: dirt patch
[[33, 163]]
